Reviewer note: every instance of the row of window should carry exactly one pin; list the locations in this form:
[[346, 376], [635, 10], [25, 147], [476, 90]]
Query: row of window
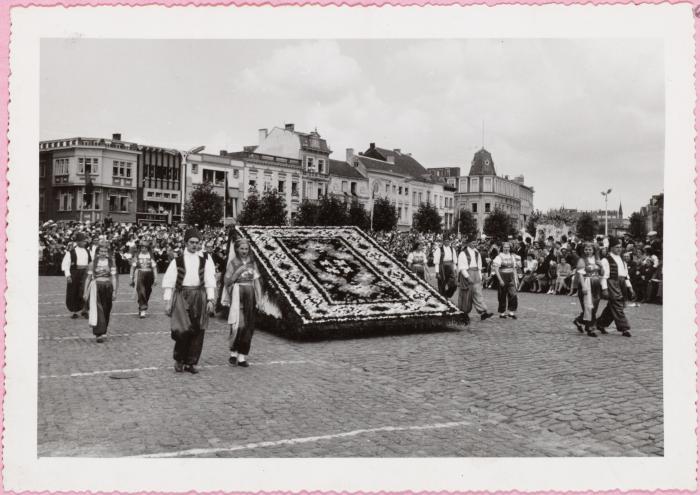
[[352, 187], [118, 202], [318, 165], [91, 166], [166, 195], [281, 186]]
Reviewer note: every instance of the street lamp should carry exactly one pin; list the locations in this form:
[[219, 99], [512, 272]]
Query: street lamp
[[183, 179], [375, 190], [605, 193]]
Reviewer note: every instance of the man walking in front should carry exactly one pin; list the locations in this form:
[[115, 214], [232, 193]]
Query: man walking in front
[[469, 265], [189, 286], [444, 261], [615, 277], [75, 268]]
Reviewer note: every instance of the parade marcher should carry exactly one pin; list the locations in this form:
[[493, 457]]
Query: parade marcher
[[444, 260], [615, 275], [242, 279], [75, 268], [588, 272], [189, 286], [505, 269], [101, 289], [143, 275], [417, 260], [469, 266]]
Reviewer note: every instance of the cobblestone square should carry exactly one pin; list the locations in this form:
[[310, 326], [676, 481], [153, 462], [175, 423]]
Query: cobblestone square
[[529, 387]]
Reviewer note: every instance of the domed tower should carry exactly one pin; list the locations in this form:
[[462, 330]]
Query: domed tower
[[482, 163]]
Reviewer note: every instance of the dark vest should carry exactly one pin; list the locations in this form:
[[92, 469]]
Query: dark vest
[[442, 255], [181, 270], [469, 258], [613, 267], [74, 257]]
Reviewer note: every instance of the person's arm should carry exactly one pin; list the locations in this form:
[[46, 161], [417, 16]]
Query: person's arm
[[436, 257], [409, 258], [605, 269], [210, 279], [65, 265], [115, 279], [462, 265], [496, 264], [132, 272], [232, 274], [169, 280]]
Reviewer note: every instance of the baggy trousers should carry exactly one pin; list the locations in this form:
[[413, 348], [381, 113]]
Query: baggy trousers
[[507, 294], [189, 312], [75, 290], [144, 286], [470, 293], [447, 283], [615, 310]]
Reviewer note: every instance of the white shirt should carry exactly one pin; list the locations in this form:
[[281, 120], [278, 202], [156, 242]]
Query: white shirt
[[191, 275], [81, 259], [621, 271], [463, 264], [450, 255]]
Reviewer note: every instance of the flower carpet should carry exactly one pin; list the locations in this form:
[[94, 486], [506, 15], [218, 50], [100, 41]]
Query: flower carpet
[[328, 278]]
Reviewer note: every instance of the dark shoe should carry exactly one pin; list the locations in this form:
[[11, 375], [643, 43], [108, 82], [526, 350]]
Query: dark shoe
[[486, 315], [603, 331], [233, 361], [100, 339], [84, 315], [74, 316], [467, 320], [591, 333], [243, 364], [579, 327], [513, 317], [504, 316], [626, 334], [178, 367], [191, 369]]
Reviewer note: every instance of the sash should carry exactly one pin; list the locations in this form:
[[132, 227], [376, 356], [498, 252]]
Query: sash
[[587, 299], [92, 320]]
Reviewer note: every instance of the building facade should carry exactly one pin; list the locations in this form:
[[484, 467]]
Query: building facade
[[159, 195], [221, 171], [88, 179], [348, 184], [482, 191], [653, 214]]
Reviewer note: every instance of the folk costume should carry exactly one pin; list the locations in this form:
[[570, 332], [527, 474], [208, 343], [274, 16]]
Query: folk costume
[[244, 293], [615, 277], [75, 268], [505, 265], [100, 292], [188, 285], [143, 270], [444, 260], [417, 261], [588, 273], [469, 266]]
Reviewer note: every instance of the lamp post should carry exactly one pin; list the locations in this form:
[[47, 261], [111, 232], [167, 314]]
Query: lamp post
[[375, 189], [605, 193], [183, 178]]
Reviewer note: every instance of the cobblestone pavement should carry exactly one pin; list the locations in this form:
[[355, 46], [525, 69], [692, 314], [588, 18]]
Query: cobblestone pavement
[[531, 387]]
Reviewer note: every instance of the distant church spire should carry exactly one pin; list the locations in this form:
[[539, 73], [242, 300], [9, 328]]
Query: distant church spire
[[619, 212]]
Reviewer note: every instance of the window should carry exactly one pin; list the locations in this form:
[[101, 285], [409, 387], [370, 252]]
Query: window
[[474, 186], [42, 170], [386, 189], [344, 186], [487, 208], [319, 191], [42, 201], [280, 186], [60, 166], [474, 208], [295, 189], [488, 184], [65, 202], [220, 178], [235, 173], [252, 185], [420, 197], [195, 168], [267, 185], [87, 164], [121, 169], [353, 188], [393, 189], [321, 164], [310, 164], [400, 190], [406, 190], [207, 175]]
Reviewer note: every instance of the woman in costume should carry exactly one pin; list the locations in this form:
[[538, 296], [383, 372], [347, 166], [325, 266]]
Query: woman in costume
[[504, 266], [242, 280], [101, 290], [588, 273], [417, 260], [143, 270]]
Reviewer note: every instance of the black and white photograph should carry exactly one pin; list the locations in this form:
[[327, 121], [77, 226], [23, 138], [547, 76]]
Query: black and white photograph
[[313, 246]]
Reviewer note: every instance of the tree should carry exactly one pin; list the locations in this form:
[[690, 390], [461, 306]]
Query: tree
[[586, 226], [205, 207], [307, 214], [467, 223], [531, 227], [273, 209], [332, 211], [638, 229], [499, 225], [427, 219], [385, 216], [357, 215], [250, 213]]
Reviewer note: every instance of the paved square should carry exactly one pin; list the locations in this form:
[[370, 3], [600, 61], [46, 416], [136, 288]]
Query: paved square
[[531, 387]]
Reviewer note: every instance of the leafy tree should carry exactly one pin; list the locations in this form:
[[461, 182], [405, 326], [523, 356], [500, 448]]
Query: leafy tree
[[531, 227], [205, 207], [467, 223], [307, 214], [357, 215], [638, 228], [427, 219], [586, 226], [273, 209], [332, 211], [250, 213], [385, 215], [499, 225]]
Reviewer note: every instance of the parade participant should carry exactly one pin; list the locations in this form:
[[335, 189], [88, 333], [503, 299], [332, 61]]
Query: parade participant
[[504, 265], [469, 266], [444, 260], [615, 276], [101, 289], [75, 268], [143, 275], [588, 273], [189, 284], [242, 279], [416, 260]]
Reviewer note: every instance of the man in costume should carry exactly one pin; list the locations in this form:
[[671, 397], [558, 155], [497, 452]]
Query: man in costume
[[189, 286], [469, 266], [615, 278], [444, 261], [75, 268]]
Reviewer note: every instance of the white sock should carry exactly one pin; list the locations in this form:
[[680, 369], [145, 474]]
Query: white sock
[[241, 358], [234, 354]]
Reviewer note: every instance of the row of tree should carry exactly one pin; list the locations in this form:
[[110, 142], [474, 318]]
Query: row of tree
[[587, 227]]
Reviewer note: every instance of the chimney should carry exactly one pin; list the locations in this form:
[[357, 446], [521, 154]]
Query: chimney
[[117, 136], [371, 146], [397, 150], [289, 127], [349, 155], [262, 135], [223, 153]]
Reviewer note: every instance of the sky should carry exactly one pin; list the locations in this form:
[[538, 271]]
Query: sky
[[575, 117]]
